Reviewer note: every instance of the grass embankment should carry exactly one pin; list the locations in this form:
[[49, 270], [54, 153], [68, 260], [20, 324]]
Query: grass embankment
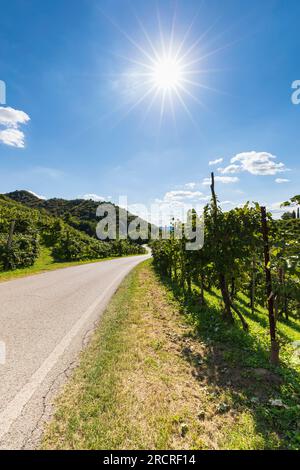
[[45, 262], [159, 374]]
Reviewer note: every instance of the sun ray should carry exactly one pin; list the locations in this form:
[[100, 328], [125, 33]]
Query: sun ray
[[143, 29], [191, 95], [170, 95], [202, 71], [167, 68], [188, 112], [211, 53], [131, 40], [198, 40], [162, 107], [189, 29], [136, 104], [172, 34], [148, 109], [161, 34], [205, 87], [135, 61]]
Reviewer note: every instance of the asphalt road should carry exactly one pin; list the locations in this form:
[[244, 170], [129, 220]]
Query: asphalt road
[[45, 321]]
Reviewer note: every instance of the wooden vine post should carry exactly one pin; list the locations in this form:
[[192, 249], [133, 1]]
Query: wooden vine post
[[274, 356], [222, 278]]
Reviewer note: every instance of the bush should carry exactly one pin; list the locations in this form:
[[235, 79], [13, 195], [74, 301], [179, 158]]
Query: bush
[[72, 246], [23, 252]]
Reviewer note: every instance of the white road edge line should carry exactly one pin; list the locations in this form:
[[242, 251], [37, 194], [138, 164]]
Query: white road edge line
[[16, 405]]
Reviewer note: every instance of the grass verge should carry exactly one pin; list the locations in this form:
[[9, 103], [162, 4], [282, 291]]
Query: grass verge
[[44, 263], [159, 374]]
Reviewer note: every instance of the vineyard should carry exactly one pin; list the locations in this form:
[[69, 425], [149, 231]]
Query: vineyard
[[241, 293], [25, 231], [245, 251]]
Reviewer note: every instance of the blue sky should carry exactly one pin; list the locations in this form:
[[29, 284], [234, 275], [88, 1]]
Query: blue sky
[[73, 69]]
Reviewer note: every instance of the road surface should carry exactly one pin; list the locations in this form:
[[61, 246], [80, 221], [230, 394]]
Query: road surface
[[45, 321]]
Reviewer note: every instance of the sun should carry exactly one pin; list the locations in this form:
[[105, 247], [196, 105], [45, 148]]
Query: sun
[[167, 74]]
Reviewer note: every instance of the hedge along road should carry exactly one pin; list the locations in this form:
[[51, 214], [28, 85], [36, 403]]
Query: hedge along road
[[44, 322]]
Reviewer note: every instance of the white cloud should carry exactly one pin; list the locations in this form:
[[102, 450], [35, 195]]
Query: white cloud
[[256, 163], [221, 179], [93, 197], [215, 162], [12, 137], [275, 206], [172, 196], [11, 119], [277, 210], [282, 180], [190, 185], [176, 204], [227, 203], [35, 194], [230, 169]]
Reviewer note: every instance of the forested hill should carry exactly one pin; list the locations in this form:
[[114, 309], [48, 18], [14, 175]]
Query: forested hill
[[26, 232], [81, 208], [79, 213]]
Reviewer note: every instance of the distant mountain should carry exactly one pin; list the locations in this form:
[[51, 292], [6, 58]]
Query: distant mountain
[[79, 213]]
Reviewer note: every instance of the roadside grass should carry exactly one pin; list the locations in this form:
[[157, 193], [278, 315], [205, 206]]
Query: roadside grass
[[45, 262], [237, 366], [161, 373]]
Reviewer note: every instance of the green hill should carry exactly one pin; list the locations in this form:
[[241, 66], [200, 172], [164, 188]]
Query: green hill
[[79, 213], [25, 231]]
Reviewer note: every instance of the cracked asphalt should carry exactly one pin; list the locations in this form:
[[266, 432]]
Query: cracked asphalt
[[45, 321]]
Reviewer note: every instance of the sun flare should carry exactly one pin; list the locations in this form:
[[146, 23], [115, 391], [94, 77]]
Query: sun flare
[[166, 71], [167, 74]]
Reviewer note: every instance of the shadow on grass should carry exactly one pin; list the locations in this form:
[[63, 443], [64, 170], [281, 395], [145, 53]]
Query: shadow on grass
[[237, 364], [292, 324], [262, 319]]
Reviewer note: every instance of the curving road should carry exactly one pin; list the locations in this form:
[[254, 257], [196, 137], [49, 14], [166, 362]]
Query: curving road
[[44, 322]]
